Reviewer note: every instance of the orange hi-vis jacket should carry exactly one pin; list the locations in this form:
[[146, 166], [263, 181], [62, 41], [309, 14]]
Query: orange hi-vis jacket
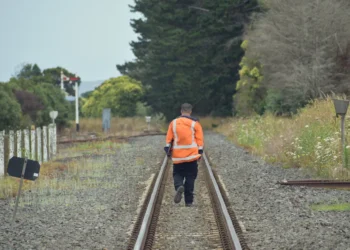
[[187, 137]]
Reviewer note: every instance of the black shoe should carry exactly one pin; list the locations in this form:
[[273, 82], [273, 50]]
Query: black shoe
[[189, 205], [178, 194]]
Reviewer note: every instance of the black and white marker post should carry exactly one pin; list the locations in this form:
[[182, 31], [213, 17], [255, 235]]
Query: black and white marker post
[[24, 169], [19, 190]]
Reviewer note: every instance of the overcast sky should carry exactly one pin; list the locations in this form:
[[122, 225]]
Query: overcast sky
[[88, 37]]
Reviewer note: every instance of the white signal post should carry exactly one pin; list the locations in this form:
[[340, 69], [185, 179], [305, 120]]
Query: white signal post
[[76, 105], [61, 79], [76, 97]]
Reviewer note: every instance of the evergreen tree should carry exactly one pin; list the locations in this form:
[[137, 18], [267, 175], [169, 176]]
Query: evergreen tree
[[188, 55]]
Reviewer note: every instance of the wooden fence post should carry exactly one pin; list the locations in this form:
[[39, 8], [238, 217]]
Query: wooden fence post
[[19, 143], [38, 144], [32, 148], [26, 143], [11, 143], [45, 145], [54, 139], [2, 153]]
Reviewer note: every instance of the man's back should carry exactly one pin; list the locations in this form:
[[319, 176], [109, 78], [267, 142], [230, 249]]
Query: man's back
[[187, 136]]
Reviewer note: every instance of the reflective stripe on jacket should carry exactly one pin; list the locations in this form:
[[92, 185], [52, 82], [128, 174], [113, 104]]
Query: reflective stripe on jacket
[[187, 137]]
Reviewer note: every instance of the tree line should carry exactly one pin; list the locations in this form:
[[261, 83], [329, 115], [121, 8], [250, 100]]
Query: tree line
[[29, 96], [295, 51], [226, 57], [185, 54], [239, 57]]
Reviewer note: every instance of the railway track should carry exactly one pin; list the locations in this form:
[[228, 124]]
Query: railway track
[[317, 183], [108, 138], [209, 224]]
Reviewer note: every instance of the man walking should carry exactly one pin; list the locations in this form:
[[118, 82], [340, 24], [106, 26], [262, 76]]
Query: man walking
[[186, 134]]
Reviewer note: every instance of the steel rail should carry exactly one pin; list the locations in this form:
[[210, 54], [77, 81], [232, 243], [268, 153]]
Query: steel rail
[[317, 183], [142, 236], [229, 225]]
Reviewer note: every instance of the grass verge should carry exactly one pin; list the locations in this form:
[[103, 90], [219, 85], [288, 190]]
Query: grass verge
[[310, 139], [331, 207], [119, 127], [66, 172]]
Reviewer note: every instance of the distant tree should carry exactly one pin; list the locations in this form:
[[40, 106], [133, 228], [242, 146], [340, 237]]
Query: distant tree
[[87, 94], [30, 103], [29, 71], [250, 96], [53, 99], [38, 99], [188, 55], [53, 75], [10, 109], [300, 44], [50, 75], [120, 94]]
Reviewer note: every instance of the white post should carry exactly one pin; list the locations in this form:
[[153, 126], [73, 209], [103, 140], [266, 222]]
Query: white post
[[38, 145], [54, 139], [33, 148], [11, 144], [19, 143], [49, 137], [26, 143], [77, 106], [45, 146], [61, 80], [2, 153]]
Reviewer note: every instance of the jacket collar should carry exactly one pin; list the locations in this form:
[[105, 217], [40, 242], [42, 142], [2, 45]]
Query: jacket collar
[[189, 117]]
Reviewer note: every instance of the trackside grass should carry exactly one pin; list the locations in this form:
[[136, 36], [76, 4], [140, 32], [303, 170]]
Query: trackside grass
[[310, 140], [67, 172], [331, 207], [119, 126]]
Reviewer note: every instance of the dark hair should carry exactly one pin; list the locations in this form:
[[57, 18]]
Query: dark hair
[[186, 107]]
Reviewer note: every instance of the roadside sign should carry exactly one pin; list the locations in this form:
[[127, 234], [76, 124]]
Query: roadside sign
[[15, 167], [53, 115]]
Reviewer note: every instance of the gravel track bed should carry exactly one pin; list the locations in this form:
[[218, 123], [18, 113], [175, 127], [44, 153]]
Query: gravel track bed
[[95, 215], [181, 227], [274, 216]]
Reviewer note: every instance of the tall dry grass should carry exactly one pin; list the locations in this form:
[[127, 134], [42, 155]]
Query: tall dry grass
[[310, 139], [65, 165], [119, 127]]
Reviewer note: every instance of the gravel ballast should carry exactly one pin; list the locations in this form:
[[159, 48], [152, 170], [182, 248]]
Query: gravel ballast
[[99, 211], [274, 216], [95, 214], [181, 227]]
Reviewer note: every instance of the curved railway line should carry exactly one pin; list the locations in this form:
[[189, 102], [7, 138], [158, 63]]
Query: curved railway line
[[150, 230]]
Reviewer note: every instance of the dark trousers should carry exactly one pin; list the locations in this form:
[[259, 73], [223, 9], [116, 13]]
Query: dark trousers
[[185, 171]]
